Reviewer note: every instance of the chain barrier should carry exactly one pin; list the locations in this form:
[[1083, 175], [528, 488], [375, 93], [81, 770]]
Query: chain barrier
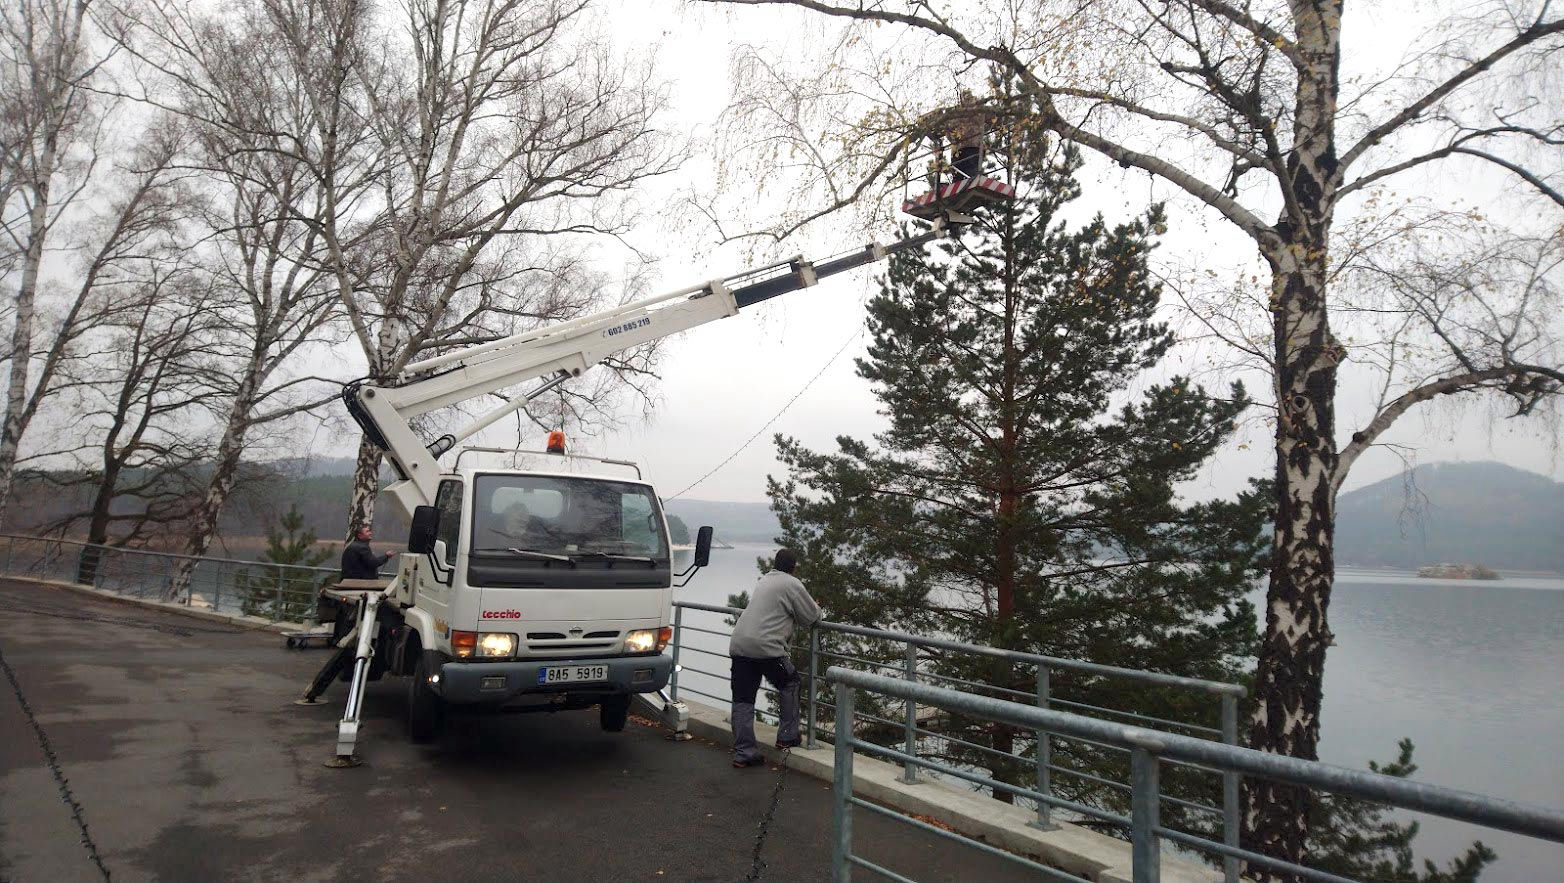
[[757, 865], [53, 761]]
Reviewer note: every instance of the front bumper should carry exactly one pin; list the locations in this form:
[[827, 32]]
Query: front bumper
[[497, 682]]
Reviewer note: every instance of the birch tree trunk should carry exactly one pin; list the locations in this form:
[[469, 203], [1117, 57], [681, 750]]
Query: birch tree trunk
[[225, 470], [1291, 666], [366, 485], [22, 334]]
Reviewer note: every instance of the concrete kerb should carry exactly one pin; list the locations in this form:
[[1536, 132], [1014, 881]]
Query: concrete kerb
[[254, 623], [1071, 848]]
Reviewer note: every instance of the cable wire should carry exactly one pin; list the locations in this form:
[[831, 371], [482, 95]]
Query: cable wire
[[774, 418]]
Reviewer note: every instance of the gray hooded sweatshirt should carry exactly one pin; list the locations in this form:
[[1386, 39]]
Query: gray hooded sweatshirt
[[778, 603]]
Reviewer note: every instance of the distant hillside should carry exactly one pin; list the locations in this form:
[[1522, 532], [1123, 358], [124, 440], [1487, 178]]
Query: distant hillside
[[734, 522], [1485, 513], [321, 488]]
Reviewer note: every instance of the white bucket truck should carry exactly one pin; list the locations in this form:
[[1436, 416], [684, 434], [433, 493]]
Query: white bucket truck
[[545, 587]]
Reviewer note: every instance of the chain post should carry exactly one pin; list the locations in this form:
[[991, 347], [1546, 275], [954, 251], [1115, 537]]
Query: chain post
[[909, 774]]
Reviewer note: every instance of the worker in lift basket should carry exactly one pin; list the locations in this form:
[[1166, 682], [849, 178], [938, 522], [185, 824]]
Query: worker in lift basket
[[358, 562], [758, 649]]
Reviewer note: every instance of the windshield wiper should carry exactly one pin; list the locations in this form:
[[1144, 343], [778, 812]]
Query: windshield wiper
[[609, 556], [530, 553]]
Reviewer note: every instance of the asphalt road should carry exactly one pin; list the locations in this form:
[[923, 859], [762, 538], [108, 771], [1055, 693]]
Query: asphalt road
[[182, 758]]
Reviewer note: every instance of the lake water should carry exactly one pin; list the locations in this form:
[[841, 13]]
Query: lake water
[[1472, 672]]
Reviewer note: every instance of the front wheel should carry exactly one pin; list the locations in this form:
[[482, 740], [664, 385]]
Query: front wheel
[[425, 708], [613, 713]]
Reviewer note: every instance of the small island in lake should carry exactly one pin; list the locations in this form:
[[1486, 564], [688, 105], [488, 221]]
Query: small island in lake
[[1457, 571]]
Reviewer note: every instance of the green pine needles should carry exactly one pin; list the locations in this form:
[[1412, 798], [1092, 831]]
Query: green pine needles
[[1023, 495], [284, 592]]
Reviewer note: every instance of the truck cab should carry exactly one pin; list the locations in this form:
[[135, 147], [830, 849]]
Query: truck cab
[[537, 589]]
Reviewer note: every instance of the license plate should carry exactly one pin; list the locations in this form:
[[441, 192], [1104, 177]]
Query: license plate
[[570, 674]]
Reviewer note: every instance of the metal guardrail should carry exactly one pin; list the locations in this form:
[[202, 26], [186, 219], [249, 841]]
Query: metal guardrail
[[278, 592], [1149, 750], [1042, 794]]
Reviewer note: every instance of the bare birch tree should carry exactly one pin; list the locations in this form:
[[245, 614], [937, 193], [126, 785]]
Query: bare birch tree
[[50, 132], [263, 246], [452, 144], [510, 123], [135, 406], [142, 200], [1243, 108]]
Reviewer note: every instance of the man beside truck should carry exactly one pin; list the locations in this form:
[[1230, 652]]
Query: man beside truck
[[759, 649]]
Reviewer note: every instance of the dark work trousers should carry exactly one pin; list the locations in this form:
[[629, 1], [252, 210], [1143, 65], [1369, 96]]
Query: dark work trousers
[[783, 677]]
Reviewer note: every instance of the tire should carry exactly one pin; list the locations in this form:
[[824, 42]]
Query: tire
[[425, 708], [614, 713]]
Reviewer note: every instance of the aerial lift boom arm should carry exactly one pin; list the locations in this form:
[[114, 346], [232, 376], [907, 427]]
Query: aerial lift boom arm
[[559, 352]]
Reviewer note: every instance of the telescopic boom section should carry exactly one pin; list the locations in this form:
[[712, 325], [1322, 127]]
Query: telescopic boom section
[[560, 352]]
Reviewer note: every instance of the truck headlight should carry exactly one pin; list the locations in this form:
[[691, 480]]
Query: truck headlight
[[496, 645], [643, 641]]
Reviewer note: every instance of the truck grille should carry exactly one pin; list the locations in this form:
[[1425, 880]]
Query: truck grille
[[568, 648], [561, 643]]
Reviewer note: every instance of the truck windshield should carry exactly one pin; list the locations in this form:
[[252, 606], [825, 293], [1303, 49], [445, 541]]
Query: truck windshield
[[585, 519]]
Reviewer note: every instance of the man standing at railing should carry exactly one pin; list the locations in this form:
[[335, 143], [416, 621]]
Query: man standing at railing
[[778, 604]]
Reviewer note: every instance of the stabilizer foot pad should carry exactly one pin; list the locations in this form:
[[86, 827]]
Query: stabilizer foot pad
[[316, 701], [343, 762], [680, 737]]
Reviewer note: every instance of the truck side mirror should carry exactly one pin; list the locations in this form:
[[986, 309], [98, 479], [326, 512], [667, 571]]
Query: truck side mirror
[[426, 523], [703, 546]]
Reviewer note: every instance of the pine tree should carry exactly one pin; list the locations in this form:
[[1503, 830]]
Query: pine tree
[[281, 591], [1023, 495], [679, 532], [1353, 838]]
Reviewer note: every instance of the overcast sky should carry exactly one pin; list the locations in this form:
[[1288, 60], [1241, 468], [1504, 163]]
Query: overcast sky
[[722, 383]]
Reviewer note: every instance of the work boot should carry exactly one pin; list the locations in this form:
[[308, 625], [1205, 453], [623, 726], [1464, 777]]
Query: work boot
[[745, 751], [787, 707]]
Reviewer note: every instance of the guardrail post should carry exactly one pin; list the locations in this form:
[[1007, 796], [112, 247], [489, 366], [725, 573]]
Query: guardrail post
[[678, 636], [277, 609], [1043, 752], [1230, 788], [814, 668], [842, 788], [217, 588], [10, 543], [909, 773], [1145, 851]]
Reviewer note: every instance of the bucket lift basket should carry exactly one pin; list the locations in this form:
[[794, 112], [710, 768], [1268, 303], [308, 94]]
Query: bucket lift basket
[[961, 195], [953, 190]]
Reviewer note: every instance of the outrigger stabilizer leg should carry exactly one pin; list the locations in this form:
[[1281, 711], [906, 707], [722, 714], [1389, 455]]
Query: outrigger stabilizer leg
[[341, 654], [359, 646]]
